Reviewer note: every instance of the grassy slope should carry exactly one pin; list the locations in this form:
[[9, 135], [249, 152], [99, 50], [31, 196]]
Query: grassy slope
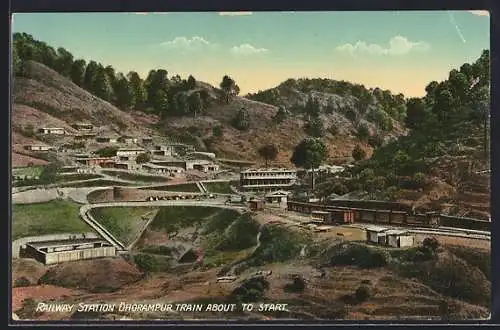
[[123, 222], [218, 187], [187, 187], [47, 218]]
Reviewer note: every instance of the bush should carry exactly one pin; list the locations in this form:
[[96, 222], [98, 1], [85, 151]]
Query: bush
[[107, 152], [362, 132], [217, 131], [143, 158], [359, 255], [333, 129], [298, 285], [242, 120], [363, 293], [145, 262], [358, 153], [375, 141], [251, 290], [419, 179], [22, 282], [28, 311], [29, 131]]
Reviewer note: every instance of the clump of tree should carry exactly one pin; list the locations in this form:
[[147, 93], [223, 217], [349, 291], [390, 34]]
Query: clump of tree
[[309, 154], [143, 158], [107, 152], [362, 132], [242, 120], [268, 152], [358, 153], [375, 141], [298, 285], [251, 290], [229, 87], [217, 131], [314, 127], [281, 115]]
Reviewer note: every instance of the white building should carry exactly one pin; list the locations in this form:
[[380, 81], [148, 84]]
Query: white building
[[37, 147], [279, 197], [52, 130], [83, 126], [158, 169], [128, 139], [267, 179], [399, 238], [125, 154], [331, 169], [376, 234], [163, 150]]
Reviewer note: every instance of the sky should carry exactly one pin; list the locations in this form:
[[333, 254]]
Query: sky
[[397, 50]]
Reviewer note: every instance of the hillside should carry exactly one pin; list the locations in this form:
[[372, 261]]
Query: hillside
[[339, 116], [443, 163]]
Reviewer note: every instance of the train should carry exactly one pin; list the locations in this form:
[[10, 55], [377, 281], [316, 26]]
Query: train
[[346, 212]]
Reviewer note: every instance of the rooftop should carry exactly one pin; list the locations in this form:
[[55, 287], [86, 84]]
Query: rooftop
[[396, 232], [320, 212], [267, 170], [376, 229], [130, 149], [66, 242], [278, 193]]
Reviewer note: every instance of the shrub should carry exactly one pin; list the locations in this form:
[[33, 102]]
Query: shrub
[[251, 290], [363, 293], [145, 262], [28, 311], [242, 120], [107, 152], [358, 153], [359, 255], [375, 141], [217, 131], [419, 179], [333, 129], [298, 285], [362, 132], [143, 158], [21, 282]]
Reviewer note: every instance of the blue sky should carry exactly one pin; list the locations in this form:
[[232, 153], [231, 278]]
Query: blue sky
[[400, 51]]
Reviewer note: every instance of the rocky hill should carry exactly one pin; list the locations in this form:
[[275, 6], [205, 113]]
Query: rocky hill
[[44, 98]]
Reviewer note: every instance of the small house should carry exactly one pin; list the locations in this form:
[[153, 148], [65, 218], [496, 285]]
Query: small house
[[127, 139], [37, 147], [399, 238], [107, 138], [321, 216], [147, 140], [84, 136], [256, 205], [125, 154], [206, 167], [376, 234], [52, 130], [83, 126], [163, 150], [279, 197]]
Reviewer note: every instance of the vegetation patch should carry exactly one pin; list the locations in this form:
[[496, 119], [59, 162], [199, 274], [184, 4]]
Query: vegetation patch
[[55, 217], [135, 177], [124, 223], [278, 244], [151, 263], [187, 187], [171, 219], [218, 187], [95, 183]]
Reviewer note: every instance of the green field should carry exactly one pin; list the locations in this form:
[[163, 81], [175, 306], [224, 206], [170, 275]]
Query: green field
[[95, 183], [55, 217], [30, 171], [136, 177], [186, 187], [218, 187], [122, 222]]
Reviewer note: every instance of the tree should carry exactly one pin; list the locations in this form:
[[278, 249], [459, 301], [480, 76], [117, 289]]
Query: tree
[[268, 152], [16, 62], [363, 133], [242, 120], [314, 127], [281, 115], [137, 89], [191, 82], [143, 158], [358, 153], [123, 92], [376, 141], [90, 75], [415, 112], [64, 62], [78, 72], [161, 104], [101, 86], [195, 104], [217, 131], [229, 87], [312, 108], [309, 154]]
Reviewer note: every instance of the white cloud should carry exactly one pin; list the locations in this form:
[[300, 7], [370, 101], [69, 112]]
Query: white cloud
[[247, 49], [235, 13], [398, 45], [479, 12], [186, 43]]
